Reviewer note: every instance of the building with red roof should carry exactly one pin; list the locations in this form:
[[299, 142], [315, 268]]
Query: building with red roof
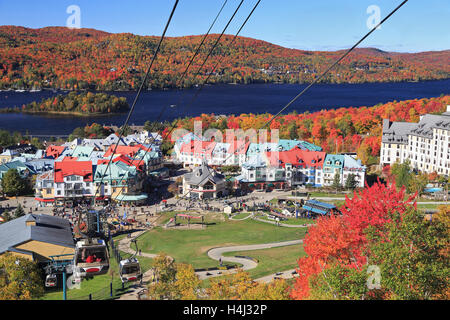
[[129, 151], [302, 167], [54, 151], [196, 152], [73, 180]]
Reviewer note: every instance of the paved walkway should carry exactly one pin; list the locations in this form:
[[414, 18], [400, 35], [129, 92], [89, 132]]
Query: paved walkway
[[285, 225], [247, 264]]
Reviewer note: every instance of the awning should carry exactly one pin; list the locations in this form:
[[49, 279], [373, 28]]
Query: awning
[[124, 197], [44, 200]]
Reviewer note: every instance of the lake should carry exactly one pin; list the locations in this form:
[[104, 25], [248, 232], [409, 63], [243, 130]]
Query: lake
[[219, 99]]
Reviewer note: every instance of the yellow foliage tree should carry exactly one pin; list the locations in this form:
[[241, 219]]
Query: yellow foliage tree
[[19, 278]]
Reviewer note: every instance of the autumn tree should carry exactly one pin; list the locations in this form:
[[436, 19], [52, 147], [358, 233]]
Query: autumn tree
[[402, 174], [240, 286], [418, 183], [164, 270], [13, 184], [20, 278], [337, 245], [408, 251]]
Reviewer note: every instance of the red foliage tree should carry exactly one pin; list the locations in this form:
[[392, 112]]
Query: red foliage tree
[[341, 239]]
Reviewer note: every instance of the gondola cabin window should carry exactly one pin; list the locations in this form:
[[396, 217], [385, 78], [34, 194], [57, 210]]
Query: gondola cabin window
[[91, 255]]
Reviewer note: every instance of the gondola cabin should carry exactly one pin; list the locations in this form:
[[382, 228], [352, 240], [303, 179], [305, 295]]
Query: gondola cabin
[[130, 270], [51, 281], [91, 258]]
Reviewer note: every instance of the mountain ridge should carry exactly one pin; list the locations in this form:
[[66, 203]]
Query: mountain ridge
[[58, 57]]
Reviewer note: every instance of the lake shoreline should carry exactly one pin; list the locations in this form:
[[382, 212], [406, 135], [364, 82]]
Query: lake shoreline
[[60, 90], [62, 113], [215, 99]]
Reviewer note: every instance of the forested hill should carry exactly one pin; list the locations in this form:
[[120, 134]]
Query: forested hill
[[58, 57]]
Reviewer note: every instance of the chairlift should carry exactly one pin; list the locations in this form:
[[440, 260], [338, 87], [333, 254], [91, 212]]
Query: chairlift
[[51, 281], [91, 258]]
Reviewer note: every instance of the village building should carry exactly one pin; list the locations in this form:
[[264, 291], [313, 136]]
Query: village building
[[204, 183], [425, 144], [37, 237]]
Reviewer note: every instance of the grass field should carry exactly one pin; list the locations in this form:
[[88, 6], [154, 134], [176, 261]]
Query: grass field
[[191, 246], [208, 218], [99, 287], [272, 260], [242, 215], [291, 221]]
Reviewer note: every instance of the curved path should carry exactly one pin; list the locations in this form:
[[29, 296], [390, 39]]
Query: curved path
[[247, 217], [285, 225], [247, 264], [215, 254]]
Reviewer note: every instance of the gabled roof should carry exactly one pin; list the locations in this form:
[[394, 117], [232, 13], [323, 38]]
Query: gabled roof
[[186, 138], [124, 150], [54, 151], [238, 147], [82, 152], [18, 165], [124, 159], [202, 147], [352, 164], [48, 229], [70, 168], [333, 158], [202, 174], [115, 171], [297, 158], [255, 161], [260, 148], [48, 175]]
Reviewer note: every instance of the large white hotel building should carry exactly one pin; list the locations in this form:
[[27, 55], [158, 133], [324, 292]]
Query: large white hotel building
[[426, 143]]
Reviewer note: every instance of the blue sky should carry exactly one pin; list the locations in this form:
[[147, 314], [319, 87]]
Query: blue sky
[[420, 25]]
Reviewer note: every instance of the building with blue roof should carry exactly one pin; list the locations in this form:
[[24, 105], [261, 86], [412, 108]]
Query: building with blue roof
[[314, 208], [23, 169], [333, 164], [37, 237]]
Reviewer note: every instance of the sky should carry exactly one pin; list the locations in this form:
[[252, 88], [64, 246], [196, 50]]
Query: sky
[[420, 25]]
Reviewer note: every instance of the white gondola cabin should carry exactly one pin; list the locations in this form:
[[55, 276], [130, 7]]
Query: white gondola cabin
[[130, 270], [91, 258], [51, 281]]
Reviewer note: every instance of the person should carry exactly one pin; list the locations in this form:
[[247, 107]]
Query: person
[[90, 259]]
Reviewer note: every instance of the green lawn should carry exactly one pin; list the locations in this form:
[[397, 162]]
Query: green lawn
[[98, 287], [208, 218], [191, 246], [242, 215], [292, 221], [272, 260], [430, 205]]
